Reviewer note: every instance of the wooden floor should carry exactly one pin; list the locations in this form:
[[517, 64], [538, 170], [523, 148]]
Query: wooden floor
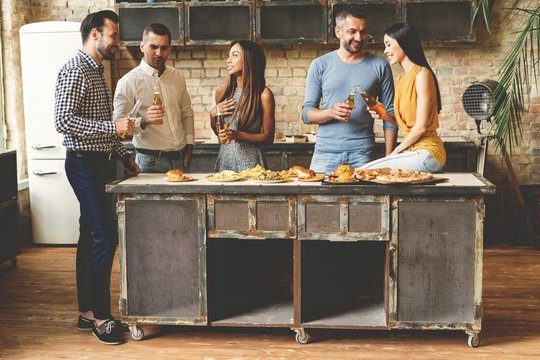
[[38, 314]]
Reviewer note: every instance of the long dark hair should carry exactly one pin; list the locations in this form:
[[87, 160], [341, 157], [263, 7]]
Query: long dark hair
[[406, 36], [248, 105]]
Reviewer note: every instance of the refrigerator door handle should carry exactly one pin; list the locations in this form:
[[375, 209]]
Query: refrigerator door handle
[[42, 173], [39, 146]]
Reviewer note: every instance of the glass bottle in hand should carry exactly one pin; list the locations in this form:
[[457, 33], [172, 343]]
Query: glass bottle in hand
[[157, 99], [373, 104], [350, 98], [221, 124]]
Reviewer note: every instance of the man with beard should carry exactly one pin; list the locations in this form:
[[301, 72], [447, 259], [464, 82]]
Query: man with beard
[[83, 114], [345, 134], [163, 134]]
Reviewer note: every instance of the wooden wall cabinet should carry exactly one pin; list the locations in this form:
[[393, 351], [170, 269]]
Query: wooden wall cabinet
[[214, 22], [218, 22], [134, 17]]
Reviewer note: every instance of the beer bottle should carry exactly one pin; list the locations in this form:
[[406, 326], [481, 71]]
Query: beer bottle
[[157, 95], [157, 98], [221, 124], [350, 98], [373, 104]]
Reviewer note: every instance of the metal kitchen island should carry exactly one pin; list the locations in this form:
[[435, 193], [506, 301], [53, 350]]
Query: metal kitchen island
[[302, 255]]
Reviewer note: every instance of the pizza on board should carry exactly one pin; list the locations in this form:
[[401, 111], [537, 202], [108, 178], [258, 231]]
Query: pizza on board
[[392, 176]]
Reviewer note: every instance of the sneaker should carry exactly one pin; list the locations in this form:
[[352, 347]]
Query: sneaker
[[107, 333], [84, 324], [121, 326]]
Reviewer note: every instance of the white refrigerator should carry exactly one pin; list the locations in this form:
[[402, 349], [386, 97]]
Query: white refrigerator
[[45, 47]]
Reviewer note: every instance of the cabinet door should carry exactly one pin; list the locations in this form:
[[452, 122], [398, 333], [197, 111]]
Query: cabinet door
[[252, 216], [291, 22], [343, 218], [439, 262], [9, 223], [163, 259]]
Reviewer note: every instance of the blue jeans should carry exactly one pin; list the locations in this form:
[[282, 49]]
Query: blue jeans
[[327, 161], [420, 160], [88, 173], [153, 164]]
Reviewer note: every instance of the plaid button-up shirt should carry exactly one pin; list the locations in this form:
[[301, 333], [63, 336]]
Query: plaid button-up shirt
[[83, 107]]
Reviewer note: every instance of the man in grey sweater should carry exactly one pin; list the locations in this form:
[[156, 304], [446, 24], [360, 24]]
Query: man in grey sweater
[[345, 134]]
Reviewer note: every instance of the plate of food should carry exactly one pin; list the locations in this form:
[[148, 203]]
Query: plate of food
[[301, 172], [396, 176], [344, 174], [224, 176], [270, 177], [253, 172], [276, 181], [317, 177], [177, 175]]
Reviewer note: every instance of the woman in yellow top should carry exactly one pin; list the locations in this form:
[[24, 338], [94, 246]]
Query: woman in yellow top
[[417, 103]]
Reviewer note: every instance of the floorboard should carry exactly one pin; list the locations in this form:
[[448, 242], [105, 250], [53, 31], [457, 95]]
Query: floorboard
[[38, 315]]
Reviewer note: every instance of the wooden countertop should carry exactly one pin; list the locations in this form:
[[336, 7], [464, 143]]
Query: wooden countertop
[[456, 183]]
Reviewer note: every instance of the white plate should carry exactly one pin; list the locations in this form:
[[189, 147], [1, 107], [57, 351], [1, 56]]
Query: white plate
[[187, 178], [271, 181], [229, 179], [318, 177]]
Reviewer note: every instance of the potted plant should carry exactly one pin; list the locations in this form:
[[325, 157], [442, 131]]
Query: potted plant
[[520, 70]]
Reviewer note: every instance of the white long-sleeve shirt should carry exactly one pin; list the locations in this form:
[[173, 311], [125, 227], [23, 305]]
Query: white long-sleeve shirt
[[178, 127]]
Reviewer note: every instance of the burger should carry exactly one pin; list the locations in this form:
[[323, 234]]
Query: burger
[[343, 168], [346, 177], [175, 175]]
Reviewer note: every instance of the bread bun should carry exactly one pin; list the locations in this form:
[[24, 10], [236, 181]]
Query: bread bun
[[302, 172], [346, 177], [344, 168], [175, 174]]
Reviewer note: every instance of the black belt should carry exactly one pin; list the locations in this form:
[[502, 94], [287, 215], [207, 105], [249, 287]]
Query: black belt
[[90, 154], [158, 153]]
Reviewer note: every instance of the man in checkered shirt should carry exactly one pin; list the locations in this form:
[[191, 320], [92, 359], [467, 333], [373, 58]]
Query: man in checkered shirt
[[83, 113]]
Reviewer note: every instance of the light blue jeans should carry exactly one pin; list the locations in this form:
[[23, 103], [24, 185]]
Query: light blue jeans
[[420, 160], [153, 164], [327, 161]]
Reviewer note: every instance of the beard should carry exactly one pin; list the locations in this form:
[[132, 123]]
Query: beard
[[350, 49], [107, 53]]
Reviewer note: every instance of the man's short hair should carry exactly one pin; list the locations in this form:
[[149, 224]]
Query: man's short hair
[[355, 11], [96, 21], [158, 29]]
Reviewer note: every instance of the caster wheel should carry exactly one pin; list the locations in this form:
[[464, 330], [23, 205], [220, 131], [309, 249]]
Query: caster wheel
[[302, 338], [137, 334], [473, 340]]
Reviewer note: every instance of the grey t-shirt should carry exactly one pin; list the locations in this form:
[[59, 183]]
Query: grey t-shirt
[[330, 80]]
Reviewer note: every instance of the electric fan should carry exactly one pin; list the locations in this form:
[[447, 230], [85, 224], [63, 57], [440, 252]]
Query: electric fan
[[477, 101]]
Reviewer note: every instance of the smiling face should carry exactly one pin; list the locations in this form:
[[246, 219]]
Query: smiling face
[[156, 49], [108, 40], [392, 50], [235, 61], [352, 34]]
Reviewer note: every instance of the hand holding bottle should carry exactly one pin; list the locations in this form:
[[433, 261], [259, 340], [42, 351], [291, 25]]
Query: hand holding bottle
[[156, 112], [376, 109], [223, 129], [131, 116]]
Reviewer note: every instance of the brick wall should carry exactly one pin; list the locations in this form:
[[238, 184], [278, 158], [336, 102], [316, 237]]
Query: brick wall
[[457, 65]]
